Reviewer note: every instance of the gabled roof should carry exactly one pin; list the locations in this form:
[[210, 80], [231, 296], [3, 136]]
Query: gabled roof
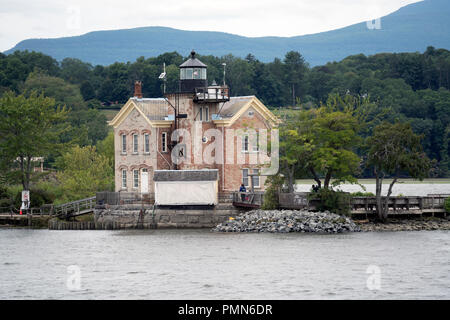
[[237, 106], [154, 111]]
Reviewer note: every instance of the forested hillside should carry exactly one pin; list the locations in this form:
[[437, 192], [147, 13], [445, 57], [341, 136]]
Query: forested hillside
[[409, 87], [410, 29]]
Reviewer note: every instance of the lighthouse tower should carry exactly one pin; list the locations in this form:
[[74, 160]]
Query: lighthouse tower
[[193, 75]]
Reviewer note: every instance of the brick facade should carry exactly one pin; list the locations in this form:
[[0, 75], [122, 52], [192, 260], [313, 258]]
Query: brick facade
[[230, 162]]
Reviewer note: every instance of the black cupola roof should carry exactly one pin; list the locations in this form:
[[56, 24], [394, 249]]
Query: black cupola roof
[[193, 62]]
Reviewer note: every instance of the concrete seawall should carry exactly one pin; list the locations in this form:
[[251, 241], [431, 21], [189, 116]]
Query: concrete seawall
[[146, 217]]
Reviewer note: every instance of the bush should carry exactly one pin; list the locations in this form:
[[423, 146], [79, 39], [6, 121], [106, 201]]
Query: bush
[[447, 205], [271, 200], [362, 194], [330, 200], [5, 199]]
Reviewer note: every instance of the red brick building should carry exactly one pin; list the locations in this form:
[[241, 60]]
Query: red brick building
[[199, 127]]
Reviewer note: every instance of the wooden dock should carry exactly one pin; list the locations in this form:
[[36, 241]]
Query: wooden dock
[[34, 216], [428, 206]]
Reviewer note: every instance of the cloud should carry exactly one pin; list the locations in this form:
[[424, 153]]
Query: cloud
[[50, 18]]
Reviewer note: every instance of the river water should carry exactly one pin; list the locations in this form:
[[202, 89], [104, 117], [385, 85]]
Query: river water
[[198, 264]]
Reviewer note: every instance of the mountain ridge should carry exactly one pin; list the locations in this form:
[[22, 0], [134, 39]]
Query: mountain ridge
[[409, 29]]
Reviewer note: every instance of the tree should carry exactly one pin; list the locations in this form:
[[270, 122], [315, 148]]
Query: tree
[[87, 91], [63, 92], [84, 172], [394, 149], [30, 128], [106, 148], [320, 143], [296, 146], [75, 70], [334, 135], [295, 69]]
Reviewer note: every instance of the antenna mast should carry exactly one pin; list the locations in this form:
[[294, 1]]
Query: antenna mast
[[163, 76], [224, 72]]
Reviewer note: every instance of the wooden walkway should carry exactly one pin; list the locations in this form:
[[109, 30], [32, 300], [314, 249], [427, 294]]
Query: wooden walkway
[[429, 205], [63, 211], [75, 208], [248, 200]]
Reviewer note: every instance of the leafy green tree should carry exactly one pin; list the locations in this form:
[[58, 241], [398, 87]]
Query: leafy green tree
[[64, 93], [394, 149], [271, 196], [320, 143], [30, 128], [173, 76], [296, 146], [75, 71], [87, 91], [106, 148], [335, 138], [84, 172], [295, 69]]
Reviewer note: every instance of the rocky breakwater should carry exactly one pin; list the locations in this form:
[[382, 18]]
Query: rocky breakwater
[[288, 221]]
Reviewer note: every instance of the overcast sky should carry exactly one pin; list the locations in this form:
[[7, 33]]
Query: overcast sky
[[24, 19]]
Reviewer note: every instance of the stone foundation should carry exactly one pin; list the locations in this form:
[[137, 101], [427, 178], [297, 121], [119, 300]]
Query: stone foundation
[[129, 216]]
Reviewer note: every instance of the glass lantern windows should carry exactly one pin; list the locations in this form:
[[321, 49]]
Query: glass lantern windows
[[193, 73], [189, 73]]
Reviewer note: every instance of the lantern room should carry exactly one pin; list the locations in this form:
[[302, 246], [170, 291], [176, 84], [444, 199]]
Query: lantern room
[[192, 74]]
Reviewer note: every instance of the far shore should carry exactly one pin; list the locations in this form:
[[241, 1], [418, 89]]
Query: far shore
[[386, 181]]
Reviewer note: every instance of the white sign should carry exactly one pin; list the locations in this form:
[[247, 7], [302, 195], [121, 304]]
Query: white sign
[[25, 196]]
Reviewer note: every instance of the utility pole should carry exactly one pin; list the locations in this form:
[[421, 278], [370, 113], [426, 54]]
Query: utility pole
[[165, 77], [224, 72]]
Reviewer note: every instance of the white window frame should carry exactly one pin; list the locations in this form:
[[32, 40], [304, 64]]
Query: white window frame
[[255, 147], [164, 142], [124, 179], [206, 114], [243, 177], [256, 177], [146, 143], [201, 113], [124, 144], [135, 143], [135, 179]]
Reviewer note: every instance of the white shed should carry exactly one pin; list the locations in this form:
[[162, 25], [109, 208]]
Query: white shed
[[186, 187]]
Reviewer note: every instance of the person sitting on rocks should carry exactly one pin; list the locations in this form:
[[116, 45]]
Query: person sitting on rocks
[[242, 189]]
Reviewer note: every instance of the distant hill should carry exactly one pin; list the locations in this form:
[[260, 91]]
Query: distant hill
[[410, 29]]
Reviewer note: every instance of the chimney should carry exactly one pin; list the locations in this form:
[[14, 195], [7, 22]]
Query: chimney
[[138, 89]]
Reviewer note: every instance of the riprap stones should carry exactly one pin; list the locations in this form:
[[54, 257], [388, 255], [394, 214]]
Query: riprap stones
[[285, 221]]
